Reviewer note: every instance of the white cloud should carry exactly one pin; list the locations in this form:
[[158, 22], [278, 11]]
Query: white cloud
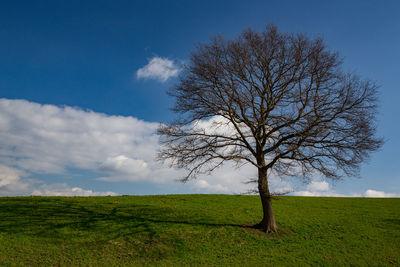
[[319, 194], [49, 139], [323, 189], [9, 175], [123, 167], [374, 193], [12, 183], [46, 139], [217, 125], [318, 188], [65, 190], [158, 68], [202, 184]]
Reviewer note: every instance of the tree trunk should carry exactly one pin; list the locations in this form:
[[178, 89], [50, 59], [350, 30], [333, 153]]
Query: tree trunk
[[268, 223]]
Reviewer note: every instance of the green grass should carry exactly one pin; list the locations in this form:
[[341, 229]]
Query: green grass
[[197, 230]]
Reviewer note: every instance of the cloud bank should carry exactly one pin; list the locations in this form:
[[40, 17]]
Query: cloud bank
[[158, 68], [374, 193], [13, 182], [40, 139]]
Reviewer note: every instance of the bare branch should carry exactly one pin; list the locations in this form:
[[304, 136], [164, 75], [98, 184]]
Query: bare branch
[[278, 101]]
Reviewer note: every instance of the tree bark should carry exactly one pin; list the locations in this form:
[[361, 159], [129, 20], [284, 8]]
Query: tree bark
[[268, 223]]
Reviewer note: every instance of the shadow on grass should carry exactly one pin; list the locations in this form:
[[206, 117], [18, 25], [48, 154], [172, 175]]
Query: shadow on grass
[[395, 223], [67, 218]]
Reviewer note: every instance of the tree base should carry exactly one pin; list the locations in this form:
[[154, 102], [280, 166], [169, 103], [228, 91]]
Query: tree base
[[267, 228]]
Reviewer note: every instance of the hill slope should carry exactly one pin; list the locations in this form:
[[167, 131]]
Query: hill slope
[[197, 229]]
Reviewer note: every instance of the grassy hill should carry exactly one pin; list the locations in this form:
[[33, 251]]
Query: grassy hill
[[197, 230]]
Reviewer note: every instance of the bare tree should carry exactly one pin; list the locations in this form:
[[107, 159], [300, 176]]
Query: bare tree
[[278, 101]]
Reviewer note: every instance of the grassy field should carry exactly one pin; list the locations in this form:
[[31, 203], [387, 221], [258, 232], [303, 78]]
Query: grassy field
[[197, 230]]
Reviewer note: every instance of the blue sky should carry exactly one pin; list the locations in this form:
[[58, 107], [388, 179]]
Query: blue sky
[[86, 55]]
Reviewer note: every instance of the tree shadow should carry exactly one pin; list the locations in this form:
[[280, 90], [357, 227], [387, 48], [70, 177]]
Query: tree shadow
[[395, 223], [67, 218]]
